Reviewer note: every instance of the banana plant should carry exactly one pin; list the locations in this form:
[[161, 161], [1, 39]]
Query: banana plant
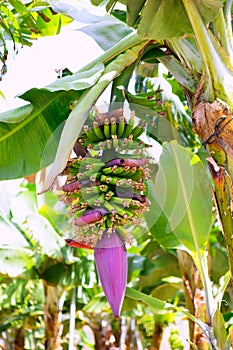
[[193, 40]]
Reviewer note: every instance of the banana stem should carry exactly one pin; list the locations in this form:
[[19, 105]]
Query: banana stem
[[223, 193]]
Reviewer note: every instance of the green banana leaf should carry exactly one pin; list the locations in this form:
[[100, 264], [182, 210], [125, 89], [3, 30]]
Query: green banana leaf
[[107, 31], [10, 236], [168, 19], [185, 200], [158, 223], [15, 261]]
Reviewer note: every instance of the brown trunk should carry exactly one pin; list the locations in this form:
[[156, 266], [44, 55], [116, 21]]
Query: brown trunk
[[157, 337], [19, 338], [213, 123], [52, 317], [194, 297], [100, 338]]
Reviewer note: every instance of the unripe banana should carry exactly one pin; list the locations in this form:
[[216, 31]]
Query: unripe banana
[[129, 127], [113, 126], [106, 187], [107, 170], [98, 132], [90, 133], [137, 131], [107, 129], [121, 127]]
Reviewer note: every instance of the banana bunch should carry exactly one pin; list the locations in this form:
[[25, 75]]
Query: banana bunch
[[106, 186]]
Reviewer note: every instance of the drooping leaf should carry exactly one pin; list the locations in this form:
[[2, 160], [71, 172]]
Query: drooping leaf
[[15, 261], [168, 19], [165, 291], [164, 20], [16, 115], [23, 143], [40, 230], [209, 9], [10, 236], [78, 81], [133, 11], [79, 13], [97, 304], [161, 265], [107, 31], [155, 304], [185, 200], [23, 204]]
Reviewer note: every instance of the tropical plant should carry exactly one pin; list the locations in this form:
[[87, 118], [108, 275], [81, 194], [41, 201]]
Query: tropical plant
[[193, 40]]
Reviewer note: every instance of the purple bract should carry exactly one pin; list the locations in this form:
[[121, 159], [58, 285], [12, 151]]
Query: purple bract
[[112, 266]]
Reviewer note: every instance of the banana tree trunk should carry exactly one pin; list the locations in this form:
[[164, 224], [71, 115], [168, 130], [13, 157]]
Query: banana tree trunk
[[214, 124], [194, 298], [54, 300], [20, 338]]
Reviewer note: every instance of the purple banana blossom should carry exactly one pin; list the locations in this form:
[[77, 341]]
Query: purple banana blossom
[[112, 266]]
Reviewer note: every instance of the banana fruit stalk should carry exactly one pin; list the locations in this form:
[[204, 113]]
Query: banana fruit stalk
[[107, 187], [105, 190]]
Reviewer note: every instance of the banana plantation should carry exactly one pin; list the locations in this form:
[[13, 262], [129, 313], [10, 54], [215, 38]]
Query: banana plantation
[[120, 235]]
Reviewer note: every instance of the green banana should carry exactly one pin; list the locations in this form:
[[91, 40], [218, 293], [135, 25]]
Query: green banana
[[113, 126], [107, 129], [111, 180], [137, 131], [90, 133], [98, 132], [109, 144], [129, 127], [103, 188], [91, 160], [121, 127], [126, 171], [107, 170], [115, 141], [109, 195], [96, 201], [118, 170]]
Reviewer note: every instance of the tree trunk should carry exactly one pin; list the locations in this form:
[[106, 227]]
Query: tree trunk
[[194, 297], [100, 338], [54, 299], [19, 338], [157, 337], [214, 124]]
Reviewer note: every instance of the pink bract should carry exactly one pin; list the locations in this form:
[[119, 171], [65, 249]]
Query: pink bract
[[112, 266]]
